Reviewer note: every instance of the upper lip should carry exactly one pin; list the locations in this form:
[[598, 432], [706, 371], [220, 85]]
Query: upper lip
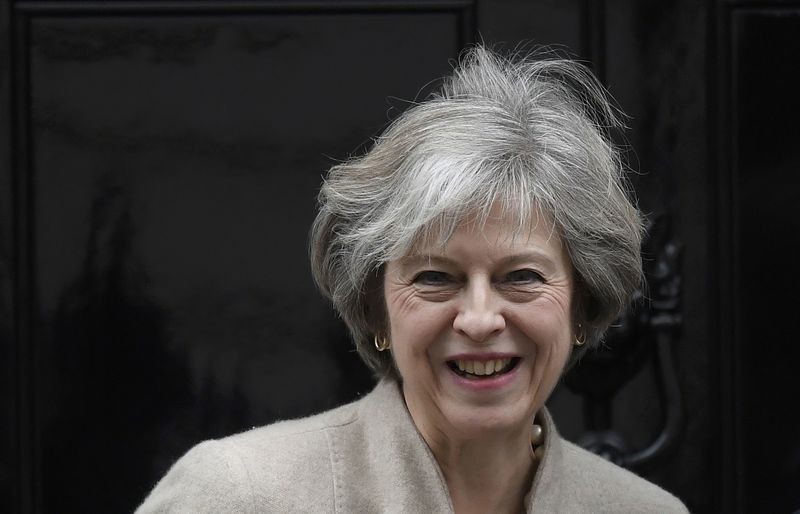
[[481, 357]]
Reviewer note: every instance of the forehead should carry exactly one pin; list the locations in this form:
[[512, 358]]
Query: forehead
[[501, 225], [496, 237]]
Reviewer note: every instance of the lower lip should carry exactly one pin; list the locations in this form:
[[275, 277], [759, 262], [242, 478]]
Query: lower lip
[[484, 384]]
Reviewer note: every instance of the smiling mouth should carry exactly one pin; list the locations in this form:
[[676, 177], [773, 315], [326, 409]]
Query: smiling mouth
[[480, 370]]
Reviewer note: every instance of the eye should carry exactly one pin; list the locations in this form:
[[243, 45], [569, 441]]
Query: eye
[[524, 276], [432, 278]]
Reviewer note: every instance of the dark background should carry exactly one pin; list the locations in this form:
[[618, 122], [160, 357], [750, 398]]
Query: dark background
[[158, 169]]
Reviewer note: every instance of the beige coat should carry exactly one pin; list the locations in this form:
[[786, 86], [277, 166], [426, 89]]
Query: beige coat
[[368, 457]]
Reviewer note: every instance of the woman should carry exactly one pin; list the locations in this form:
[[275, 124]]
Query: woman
[[481, 245]]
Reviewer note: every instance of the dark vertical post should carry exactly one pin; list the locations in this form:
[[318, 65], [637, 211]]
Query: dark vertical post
[[9, 498], [724, 348], [22, 244], [593, 35]]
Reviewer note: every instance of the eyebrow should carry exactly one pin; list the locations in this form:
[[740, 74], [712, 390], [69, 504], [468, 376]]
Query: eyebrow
[[535, 256], [423, 258], [527, 256]]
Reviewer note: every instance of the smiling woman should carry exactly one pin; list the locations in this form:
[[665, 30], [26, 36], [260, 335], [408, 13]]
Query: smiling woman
[[485, 240], [480, 333], [487, 297]]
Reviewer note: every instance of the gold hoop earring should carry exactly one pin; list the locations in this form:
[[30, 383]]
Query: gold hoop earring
[[381, 343], [580, 340]]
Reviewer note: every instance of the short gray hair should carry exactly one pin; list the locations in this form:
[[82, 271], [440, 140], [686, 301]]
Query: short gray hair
[[528, 132]]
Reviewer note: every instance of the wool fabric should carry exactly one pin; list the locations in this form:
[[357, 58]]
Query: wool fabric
[[368, 457]]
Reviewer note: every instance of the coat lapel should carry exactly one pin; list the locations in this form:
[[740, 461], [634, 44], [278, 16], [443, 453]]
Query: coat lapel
[[381, 462]]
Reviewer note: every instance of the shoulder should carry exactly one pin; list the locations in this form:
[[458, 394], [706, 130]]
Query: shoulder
[[610, 488], [266, 469], [208, 478]]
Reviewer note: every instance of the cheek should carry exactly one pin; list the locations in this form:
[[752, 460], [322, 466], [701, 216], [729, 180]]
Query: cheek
[[420, 327], [416, 328], [546, 322], [407, 312], [400, 306]]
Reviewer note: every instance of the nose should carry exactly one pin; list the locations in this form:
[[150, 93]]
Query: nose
[[479, 316]]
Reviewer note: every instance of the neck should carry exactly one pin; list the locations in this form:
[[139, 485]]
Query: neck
[[492, 473]]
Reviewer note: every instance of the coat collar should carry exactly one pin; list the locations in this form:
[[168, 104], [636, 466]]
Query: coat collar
[[404, 455]]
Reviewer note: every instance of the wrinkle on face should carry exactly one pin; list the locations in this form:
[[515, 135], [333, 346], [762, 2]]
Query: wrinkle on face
[[444, 300]]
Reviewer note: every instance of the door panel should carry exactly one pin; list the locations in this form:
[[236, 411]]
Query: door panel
[[766, 187], [173, 162]]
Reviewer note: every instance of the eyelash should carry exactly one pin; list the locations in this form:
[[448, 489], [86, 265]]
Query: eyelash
[[437, 278], [425, 277], [532, 276]]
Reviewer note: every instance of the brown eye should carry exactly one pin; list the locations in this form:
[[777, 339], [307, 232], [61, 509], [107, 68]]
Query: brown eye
[[433, 278], [524, 276]]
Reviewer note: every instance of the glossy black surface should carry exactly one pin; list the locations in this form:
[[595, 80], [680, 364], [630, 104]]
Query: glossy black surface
[[767, 74], [176, 163]]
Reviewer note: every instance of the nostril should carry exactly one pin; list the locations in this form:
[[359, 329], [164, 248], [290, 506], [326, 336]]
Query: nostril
[[479, 326]]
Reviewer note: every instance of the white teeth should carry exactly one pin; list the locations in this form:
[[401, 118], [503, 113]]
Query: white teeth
[[482, 368]]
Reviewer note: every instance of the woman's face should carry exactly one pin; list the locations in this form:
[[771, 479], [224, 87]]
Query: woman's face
[[480, 329]]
